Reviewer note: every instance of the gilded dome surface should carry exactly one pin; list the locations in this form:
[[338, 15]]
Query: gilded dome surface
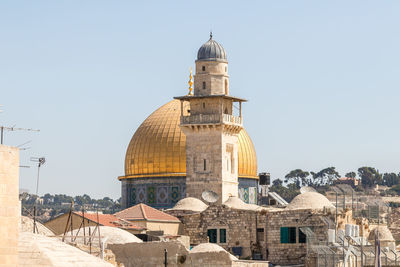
[[158, 147]]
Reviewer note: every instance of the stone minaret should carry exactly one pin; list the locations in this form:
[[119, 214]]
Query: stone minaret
[[210, 127]]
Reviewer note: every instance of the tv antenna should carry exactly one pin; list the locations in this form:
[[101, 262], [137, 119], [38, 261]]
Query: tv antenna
[[24, 148], [40, 162], [12, 129]]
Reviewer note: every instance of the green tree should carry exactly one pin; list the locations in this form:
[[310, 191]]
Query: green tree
[[277, 182], [288, 193], [325, 176], [390, 179], [396, 189], [369, 176], [298, 176], [351, 175]]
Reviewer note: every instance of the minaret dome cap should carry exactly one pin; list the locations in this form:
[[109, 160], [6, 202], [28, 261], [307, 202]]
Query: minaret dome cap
[[211, 51]]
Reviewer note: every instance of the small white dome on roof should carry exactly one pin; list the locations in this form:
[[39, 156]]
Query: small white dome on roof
[[207, 247], [310, 200], [112, 235], [211, 248], [190, 203], [237, 203], [384, 234]]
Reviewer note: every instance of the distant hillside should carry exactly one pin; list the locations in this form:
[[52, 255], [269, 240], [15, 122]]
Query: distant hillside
[[50, 206]]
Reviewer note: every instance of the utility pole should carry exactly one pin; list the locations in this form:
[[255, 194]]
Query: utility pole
[[165, 257], [12, 129]]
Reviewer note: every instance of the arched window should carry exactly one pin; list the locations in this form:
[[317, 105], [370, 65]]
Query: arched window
[[204, 85], [203, 68]]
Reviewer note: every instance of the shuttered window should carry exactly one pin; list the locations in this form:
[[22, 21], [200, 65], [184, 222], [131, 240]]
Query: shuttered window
[[288, 235], [212, 235], [222, 235]]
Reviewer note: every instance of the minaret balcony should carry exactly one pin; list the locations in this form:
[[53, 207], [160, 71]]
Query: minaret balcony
[[211, 119]]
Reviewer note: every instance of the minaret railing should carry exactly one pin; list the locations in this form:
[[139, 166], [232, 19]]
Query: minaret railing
[[211, 119]]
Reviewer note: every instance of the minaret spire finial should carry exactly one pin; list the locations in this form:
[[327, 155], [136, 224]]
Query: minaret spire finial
[[190, 82], [210, 35]]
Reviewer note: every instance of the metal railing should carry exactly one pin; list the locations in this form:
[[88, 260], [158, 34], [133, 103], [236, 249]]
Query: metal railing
[[211, 119]]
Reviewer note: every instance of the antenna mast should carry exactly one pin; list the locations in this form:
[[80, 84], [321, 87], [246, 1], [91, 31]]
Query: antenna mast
[[11, 129]]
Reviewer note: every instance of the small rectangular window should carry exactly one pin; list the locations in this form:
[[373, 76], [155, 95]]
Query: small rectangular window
[[203, 68], [288, 235], [204, 85], [222, 235], [260, 234], [302, 237], [205, 164], [212, 235]]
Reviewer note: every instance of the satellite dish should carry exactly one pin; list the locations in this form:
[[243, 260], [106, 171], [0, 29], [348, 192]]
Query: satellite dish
[[306, 189], [209, 196]]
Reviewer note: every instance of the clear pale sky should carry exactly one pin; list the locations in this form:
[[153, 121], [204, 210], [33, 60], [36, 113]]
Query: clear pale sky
[[322, 79]]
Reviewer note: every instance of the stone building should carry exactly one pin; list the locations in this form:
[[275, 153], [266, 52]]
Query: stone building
[[151, 219], [286, 239], [162, 156], [10, 209], [139, 219], [249, 231]]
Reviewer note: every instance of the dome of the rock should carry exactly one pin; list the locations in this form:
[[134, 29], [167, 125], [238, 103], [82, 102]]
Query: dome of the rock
[[155, 162], [158, 147]]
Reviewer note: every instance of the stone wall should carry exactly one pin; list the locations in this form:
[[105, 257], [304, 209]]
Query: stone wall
[[291, 253], [215, 76], [151, 254], [10, 209], [208, 152], [241, 228]]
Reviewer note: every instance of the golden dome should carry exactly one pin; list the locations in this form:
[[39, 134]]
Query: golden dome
[[158, 147]]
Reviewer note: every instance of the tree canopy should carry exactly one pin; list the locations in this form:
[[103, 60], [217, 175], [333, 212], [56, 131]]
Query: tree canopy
[[298, 177], [351, 175], [369, 176], [325, 176]]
